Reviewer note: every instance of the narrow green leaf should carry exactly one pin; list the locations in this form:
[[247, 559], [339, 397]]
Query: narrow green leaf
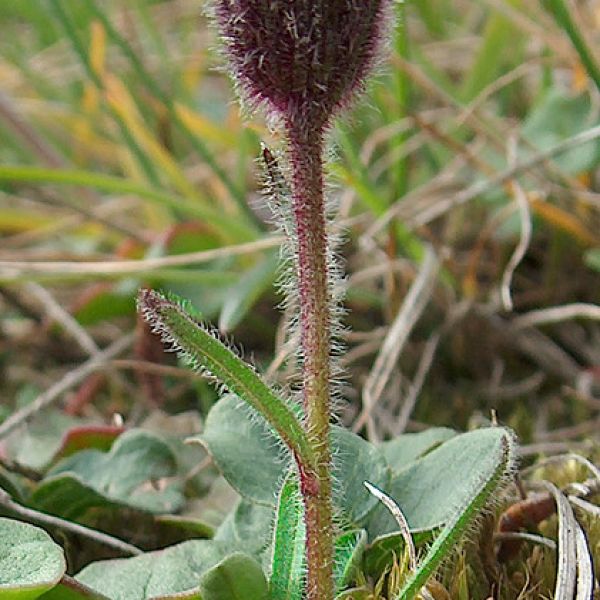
[[30, 562], [349, 549], [236, 577], [166, 99], [480, 484], [246, 292], [288, 560], [203, 350], [70, 29], [561, 14]]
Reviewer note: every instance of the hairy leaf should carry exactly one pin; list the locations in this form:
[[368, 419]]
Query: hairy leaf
[[171, 573], [288, 558], [248, 454], [30, 562], [236, 577], [203, 350]]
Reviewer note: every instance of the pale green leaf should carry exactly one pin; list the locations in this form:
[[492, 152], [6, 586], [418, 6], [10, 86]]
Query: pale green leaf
[[125, 476], [237, 577], [30, 562], [171, 573]]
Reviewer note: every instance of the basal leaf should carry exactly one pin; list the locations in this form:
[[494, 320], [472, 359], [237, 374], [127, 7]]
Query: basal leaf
[[128, 475], [355, 461], [493, 460], [248, 454], [406, 448], [30, 562], [236, 577], [430, 490], [248, 528], [245, 450], [289, 544], [171, 573]]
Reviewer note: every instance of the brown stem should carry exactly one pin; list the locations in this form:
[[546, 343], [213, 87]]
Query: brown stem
[[306, 157]]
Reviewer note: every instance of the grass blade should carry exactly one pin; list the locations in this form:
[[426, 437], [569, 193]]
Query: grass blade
[[229, 229]]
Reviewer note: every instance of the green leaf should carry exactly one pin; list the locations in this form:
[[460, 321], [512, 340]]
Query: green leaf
[[493, 450], [129, 475], [236, 577], [430, 490], [170, 573], [557, 117], [248, 528], [288, 560], [203, 350], [244, 449], [30, 562], [242, 296], [37, 445], [349, 549], [355, 461], [407, 447], [248, 455]]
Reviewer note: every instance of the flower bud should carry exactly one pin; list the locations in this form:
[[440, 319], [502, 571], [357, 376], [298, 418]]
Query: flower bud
[[303, 58]]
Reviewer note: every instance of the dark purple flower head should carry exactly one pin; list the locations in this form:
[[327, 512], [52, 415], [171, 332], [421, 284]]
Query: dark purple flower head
[[303, 58]]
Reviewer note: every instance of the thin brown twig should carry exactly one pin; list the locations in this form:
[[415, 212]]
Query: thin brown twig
[[35, 516], [18, 269]]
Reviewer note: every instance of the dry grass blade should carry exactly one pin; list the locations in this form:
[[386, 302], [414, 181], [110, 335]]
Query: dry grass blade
[[557, 314], [566, 575], [20, 269], [398, 515], [585, 567], [410, 311], [586, 506], [55, 311], [523, 536]]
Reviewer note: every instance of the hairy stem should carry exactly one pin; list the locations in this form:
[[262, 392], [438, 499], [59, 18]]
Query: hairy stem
[[306, 158]]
